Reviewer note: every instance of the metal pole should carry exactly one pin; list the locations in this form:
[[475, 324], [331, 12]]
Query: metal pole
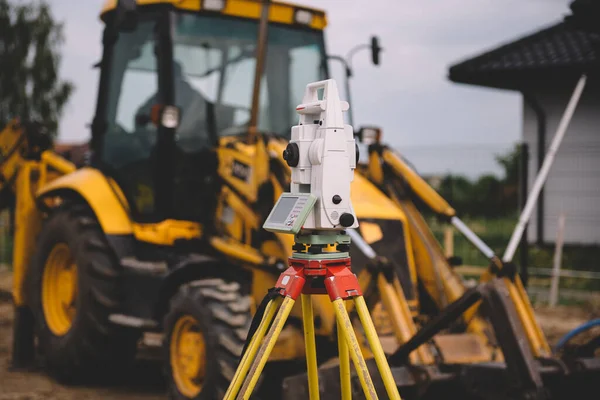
[[348, 63], [364, 247], [524, 246], [560, 234], [541, 178], [540, 115], [348, 98], [541, 149], [472, 237], [261, 51]]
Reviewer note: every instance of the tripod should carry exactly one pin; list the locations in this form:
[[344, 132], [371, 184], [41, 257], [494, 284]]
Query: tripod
[[321, 273]]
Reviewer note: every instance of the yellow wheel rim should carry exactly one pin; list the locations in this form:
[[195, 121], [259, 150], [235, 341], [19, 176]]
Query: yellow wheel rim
[[59, 289], [188, 356]]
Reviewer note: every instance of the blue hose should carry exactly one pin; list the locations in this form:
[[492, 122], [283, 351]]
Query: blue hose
[[588, 325]]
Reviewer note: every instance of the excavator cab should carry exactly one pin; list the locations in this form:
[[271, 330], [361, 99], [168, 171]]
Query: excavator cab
[[174, 81]]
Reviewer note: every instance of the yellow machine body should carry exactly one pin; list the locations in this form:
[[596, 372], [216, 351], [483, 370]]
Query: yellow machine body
[[280, 12]]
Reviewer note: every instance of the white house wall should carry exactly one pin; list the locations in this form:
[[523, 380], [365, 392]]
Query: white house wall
[[573, 184]]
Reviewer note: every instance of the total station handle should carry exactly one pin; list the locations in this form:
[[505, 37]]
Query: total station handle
[[329, 109]]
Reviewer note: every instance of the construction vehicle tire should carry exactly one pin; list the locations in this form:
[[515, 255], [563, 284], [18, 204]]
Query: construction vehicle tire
[[205, 331], [73, 288]]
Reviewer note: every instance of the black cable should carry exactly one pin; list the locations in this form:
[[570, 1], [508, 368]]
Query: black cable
[[258, 316]]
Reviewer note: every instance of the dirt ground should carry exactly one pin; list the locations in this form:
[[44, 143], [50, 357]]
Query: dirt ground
[[558, 321], [145, 382]]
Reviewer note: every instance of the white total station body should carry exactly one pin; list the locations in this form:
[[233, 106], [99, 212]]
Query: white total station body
[[326, 158]]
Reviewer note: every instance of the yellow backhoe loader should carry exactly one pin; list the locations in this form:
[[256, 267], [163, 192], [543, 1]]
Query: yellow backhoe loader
[[162, 231]]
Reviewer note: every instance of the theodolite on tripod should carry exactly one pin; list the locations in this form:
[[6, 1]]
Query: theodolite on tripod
[[322, 155]]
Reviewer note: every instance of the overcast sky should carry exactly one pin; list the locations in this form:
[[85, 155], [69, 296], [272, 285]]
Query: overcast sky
[[434, 120]]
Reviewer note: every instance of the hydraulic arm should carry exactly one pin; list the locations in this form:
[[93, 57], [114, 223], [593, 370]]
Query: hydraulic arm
[[393, 175]]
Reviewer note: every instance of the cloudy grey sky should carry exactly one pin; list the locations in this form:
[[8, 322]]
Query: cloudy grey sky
[[435, 122]]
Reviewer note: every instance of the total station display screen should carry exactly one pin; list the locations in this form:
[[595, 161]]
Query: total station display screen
[[283, 210], [290, 212]]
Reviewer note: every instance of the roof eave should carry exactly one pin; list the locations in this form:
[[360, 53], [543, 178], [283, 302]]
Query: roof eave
[[521, 79]]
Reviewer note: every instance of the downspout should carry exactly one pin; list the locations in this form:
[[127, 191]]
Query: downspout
[[532, 102]]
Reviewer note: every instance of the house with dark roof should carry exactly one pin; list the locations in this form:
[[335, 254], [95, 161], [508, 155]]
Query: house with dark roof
[[544, 67]]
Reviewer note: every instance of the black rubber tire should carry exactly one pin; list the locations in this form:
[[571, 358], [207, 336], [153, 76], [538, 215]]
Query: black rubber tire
[[94, 349], [223, 314]]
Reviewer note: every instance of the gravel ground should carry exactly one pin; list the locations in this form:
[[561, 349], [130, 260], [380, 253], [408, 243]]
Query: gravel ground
[[145, 382]]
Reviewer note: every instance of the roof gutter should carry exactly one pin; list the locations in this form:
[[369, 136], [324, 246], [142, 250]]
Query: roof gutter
[[534, 104]]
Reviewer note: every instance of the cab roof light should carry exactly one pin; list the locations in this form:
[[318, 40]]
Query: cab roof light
[[213, 5], [303, 17]]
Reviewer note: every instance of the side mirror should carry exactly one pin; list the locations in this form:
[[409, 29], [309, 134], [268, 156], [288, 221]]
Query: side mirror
[[375, 50]]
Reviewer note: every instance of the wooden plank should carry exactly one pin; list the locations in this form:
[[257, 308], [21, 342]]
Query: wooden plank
[[557, 261], [5, 284], [449, 241], [470, 270]]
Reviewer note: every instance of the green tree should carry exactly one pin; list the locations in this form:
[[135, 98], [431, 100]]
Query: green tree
[[30, 88], [486, 196], [457, 190], [510, 163]]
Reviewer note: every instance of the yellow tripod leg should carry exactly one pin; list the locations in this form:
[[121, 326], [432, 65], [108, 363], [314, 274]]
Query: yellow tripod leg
[[267, 347], [376, 349], [311, 347], [344, 364], [236, 382], [359, 362]]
